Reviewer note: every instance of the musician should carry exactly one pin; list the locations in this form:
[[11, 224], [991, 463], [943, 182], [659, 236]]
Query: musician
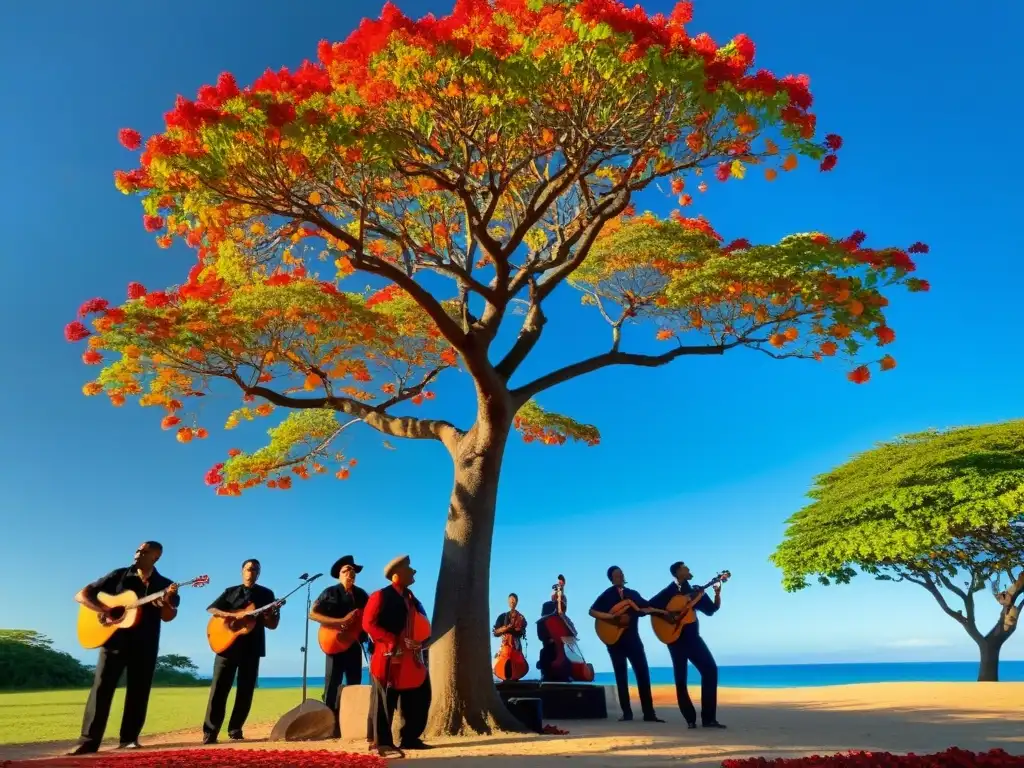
[[336, 608], [133, 649], [385, 620], [512, 623], [691, 647], [629, 647], [547, 643], [242, 656]]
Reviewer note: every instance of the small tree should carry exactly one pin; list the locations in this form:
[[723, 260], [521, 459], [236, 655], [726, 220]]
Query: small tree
[[940, 509], [173, 662], [470, 166]]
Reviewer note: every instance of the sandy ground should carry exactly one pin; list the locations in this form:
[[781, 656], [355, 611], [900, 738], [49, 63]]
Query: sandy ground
[[896, 717]]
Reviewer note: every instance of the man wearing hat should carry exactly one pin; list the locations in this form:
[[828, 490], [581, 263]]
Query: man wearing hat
[[335, 608], [386, 620]]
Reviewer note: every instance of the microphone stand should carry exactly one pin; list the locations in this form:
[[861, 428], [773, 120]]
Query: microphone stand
[[305, 648]]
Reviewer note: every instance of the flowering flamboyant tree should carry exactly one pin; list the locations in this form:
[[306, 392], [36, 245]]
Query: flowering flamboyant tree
[[498, 147]]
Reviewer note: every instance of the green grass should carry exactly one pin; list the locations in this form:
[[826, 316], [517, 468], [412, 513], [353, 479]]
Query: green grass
[[57, 715]]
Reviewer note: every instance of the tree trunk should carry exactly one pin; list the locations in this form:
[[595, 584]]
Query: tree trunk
[[988, 668], [464, 697]]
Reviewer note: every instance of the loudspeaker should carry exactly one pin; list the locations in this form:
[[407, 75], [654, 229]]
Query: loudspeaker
[[561, 701], [310, 721], [530, 712]]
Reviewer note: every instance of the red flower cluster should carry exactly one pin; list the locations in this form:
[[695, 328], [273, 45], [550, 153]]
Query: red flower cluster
[[951, 758], [214, 758]]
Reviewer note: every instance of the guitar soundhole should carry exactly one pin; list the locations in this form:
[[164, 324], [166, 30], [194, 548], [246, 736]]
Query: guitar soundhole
[[114, 616]]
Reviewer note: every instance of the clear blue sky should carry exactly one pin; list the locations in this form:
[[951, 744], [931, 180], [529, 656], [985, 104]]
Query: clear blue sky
[[702, 461]]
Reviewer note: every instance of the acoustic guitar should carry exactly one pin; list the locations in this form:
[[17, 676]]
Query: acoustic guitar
[[95, 629], [334, 640], [683, 607], [609, 631], [221, 632]]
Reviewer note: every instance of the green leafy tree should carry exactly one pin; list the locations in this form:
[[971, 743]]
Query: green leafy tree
[[942, 509], [176, 663], [29, 662]]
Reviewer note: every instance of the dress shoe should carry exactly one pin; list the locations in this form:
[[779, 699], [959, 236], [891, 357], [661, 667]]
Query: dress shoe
[[236, 735], [130, 745], [414, 744], [652, 719], [209, 738], [712, 724], [84, 749], [626, 718], [691, 725]]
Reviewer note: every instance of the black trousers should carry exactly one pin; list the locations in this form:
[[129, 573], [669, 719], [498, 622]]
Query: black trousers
[[694, 650], [348, 665], [138, 662], [632, 650], [415, 705], [224, 671]]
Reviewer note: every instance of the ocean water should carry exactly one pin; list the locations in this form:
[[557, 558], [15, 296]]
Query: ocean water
[[788, 675]]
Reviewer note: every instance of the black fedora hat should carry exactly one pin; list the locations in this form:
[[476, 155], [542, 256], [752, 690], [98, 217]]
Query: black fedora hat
[[341, 563]]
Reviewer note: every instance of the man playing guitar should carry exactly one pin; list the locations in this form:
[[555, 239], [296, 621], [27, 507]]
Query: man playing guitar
[[397, 667], [131, 649], [243, 655], [337, 608], [629, 647], [691, 647]]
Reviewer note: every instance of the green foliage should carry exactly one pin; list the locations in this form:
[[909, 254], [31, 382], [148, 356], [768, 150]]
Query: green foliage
[[27, 662], [940, 501]]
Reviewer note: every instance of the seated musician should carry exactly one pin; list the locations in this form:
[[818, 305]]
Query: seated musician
[[336, 607], [385, 620], [629, 647], [242, 657], [690, 647], [511, 623]]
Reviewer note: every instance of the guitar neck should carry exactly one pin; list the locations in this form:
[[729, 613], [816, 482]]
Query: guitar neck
[[157, 595]]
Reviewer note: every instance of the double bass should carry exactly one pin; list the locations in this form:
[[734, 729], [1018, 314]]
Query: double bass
[[399, 666], [567, 662], [509, 663]]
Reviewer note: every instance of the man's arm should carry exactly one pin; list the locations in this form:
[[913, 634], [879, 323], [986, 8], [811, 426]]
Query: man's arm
[[322, 618], [707, 606], [500, 627], [272, 617], [221, 607], [87, 595], [645, 607], [596, 610], [370, 625], [169, 603]]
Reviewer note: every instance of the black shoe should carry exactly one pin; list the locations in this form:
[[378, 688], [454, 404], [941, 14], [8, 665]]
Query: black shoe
[[712, 724], [387, 752], [626, 717], [88, 748], [414, 744], [652, 719], [691, 725], [130, 745], [209, 738], [236, 735]]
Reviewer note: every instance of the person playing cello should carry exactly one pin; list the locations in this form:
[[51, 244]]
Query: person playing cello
[[511, 628], [396, 622]]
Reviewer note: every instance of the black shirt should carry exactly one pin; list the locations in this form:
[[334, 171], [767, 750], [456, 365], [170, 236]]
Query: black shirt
[[237, 598], [336, 603], [611, 597], [705, 605], [147, 632]]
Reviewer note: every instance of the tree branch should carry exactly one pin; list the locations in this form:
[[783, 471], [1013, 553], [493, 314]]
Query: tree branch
[[529, 335], [525, 392], [374, 416]]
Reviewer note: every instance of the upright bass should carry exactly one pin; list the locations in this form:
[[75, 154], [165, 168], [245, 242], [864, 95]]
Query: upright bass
[[510, 663], [566, 661]]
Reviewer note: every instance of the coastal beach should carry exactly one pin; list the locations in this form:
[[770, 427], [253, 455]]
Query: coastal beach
[[770, 722]]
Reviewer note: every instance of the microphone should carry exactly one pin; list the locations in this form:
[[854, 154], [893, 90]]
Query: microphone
[[303, 577], [315, 577]]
